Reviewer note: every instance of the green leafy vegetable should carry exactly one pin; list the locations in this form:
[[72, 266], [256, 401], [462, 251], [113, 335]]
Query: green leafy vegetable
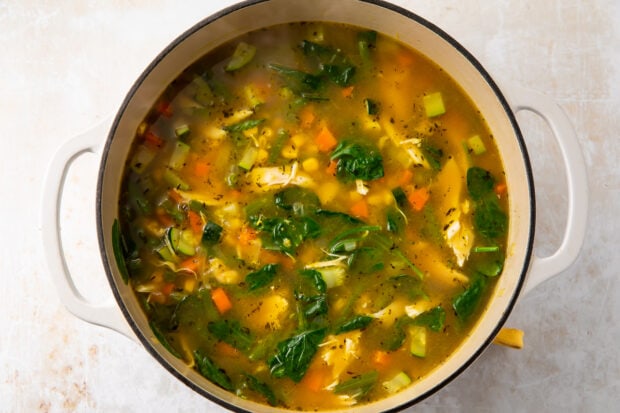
[[299, 81], [433, 155], [161, 337], [466, 302], [231, 332], [358, 322], [358, 386], [261, 277], [300, 201], [489, 219], [366, 43], [480, 182], [315, 277], [211, 371], [117, 247], [295, 354], [261, 388], [340, 75], [243, 125], [433, 318], [357, 161], [400, 196]]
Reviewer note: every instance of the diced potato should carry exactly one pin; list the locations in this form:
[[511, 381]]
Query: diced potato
[[310, 165], [328, 191], [267, 313]]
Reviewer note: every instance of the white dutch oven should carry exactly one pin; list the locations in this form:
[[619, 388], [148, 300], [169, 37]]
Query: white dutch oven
[[523, 269]]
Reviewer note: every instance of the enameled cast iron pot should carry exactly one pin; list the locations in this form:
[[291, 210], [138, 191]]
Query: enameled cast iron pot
[[522, 270]]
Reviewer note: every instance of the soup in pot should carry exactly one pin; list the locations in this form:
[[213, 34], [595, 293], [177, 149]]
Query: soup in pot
[[313, 216]]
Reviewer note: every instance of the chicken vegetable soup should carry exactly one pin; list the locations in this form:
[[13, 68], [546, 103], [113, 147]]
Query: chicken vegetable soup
[[313, 216]]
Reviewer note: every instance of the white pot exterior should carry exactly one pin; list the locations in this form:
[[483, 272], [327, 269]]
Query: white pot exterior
[[386, 19]]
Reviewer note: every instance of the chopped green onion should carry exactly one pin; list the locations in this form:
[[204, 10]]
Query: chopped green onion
[[433, 105], [491, 248]]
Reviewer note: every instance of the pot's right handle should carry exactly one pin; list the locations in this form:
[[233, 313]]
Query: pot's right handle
[[543, 268], [104, 314]]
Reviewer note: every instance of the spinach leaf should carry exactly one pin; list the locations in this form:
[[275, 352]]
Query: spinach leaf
[[119, 252], [261, 277], [243, 125], [163, 339], [466, 302], [433, 318], [365, 260], [261, 388], [316, 278], [366, 42], [336, 214], [339, 74], [295, 354], [400, 196], [299, 81], [358, 386], [315, 306], [358, 322], [300, 201], [397, 336], [231, 332], [395, 220], [489, 219], [433, 155], [479, 182], [357, 161], [211, 371]]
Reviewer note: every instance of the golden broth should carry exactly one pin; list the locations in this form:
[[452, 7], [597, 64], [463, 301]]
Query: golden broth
[[313, 216]]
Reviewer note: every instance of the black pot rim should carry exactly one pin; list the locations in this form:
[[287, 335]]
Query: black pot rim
[[380, 3]]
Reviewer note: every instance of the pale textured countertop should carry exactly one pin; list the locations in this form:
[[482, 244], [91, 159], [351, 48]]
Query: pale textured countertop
[[66, 65]]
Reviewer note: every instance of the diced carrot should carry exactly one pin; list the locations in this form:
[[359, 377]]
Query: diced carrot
[[331, 168], [175, 196], [153, 140], [360, 209], [306, 116], [201, 169], [190, 264], [164, 218], [221, 300], [164, 109], [167, 289], [501, 189], [224, 349], [195, 222], [313, 380], [380, 358], [246, 235], [325, 140], [404, 58], [405, 178], [347, 91], [418, 198]]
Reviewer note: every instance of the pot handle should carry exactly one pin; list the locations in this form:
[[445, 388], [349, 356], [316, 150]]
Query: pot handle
[[544, 268], [105, 314]]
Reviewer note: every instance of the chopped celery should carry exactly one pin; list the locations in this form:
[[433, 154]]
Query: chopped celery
[[181, 131], [174, 180], [203, 93], [397, 383], [433, 105], [179, 155], [248, 158], [476, 145], [417, 335], [366, 42], [243, 54], [142, 159]]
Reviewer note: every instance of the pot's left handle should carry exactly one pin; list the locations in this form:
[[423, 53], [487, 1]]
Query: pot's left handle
[[105, 314]]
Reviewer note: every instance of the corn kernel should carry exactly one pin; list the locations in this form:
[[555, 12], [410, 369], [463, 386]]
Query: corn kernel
[[290, 151]]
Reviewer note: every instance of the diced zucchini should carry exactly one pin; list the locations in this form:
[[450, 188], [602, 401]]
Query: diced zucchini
[[166, 254], [433, 105], [249, 158], [476, 145], [181, 241], [174, 180], [333, 276], [181, 131], [243, 54], [142, 159], [417, 336], [397, 383]]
